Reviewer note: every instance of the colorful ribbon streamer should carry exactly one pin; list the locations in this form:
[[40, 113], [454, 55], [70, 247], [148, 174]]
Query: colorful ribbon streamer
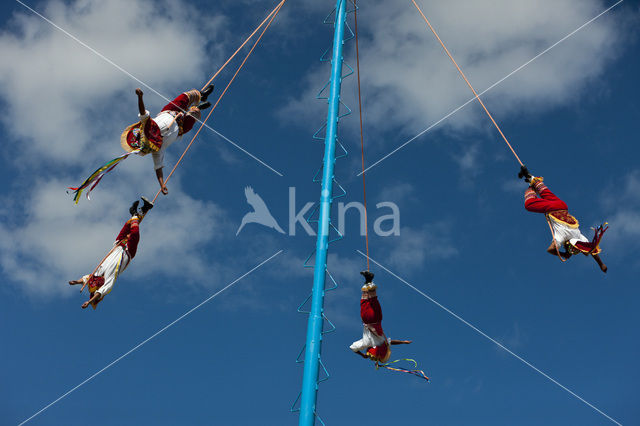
[[97, 176], [415, 371]]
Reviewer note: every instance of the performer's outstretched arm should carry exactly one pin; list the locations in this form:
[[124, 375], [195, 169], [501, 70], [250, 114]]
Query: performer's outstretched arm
[[399, 342], [96, 296], [160, 177], [141, 108], [600, 263]]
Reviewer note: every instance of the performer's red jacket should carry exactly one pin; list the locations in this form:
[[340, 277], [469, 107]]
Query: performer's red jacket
[[129, 237]]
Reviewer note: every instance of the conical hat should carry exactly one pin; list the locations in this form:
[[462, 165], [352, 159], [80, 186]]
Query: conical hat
[[131, 138]]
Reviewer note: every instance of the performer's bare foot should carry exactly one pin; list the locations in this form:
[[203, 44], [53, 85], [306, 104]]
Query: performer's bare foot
[[74, 282]]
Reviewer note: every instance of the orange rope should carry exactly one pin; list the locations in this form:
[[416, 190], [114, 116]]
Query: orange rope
[[467, 81], [277, 8], [234, 53], [273, 15], [553, 237], [364, 186]]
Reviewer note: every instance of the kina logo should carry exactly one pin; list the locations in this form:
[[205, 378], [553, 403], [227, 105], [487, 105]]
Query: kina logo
[[260, 214], [384, 225]]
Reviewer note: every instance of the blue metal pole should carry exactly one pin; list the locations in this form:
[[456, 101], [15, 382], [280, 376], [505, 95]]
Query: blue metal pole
[[314, 326]]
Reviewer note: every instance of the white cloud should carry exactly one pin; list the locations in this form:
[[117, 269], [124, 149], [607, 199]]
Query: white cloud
[[468, 161], [469, 164], [346, 270], [66, 108], [404, 61], [622, 201], [55, 241], [513, 339], [60, 94], [397, 193], [513, 186], [623, 193], [625, 225], [176, 236], [403, 65], [416, 246]]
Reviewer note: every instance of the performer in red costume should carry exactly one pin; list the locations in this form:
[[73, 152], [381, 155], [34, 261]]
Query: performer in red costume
[[374, 344], [125, 247], [155, 135], [566, 232]]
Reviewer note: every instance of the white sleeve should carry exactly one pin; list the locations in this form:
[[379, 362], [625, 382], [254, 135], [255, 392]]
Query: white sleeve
[[358, 345], [158, 159], [143, 116]]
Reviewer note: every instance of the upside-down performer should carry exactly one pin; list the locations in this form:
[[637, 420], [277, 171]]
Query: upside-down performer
[[155, 135], [124, 249], [374, 344], [565, 228]]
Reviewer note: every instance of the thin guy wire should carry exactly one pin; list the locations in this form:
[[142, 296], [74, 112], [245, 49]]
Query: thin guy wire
[[483, 334], [110, 62], [149, 338], [398, 148]]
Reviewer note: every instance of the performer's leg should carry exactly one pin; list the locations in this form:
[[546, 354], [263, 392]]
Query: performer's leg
[[547, 202], [600, 263], [533, 203], [83, 279], [111, 268], [179, 104], [551, 198], [193, 97], [190, 119], [377, 310], [110, 279], [539, 205], [367, 308], [182, 102], [544, 205]]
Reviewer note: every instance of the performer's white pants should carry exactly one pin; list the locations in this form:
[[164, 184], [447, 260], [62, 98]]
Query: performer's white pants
[[110, 268]]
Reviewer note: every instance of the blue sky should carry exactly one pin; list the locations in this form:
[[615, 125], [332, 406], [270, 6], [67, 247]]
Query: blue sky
[[465, 238]]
